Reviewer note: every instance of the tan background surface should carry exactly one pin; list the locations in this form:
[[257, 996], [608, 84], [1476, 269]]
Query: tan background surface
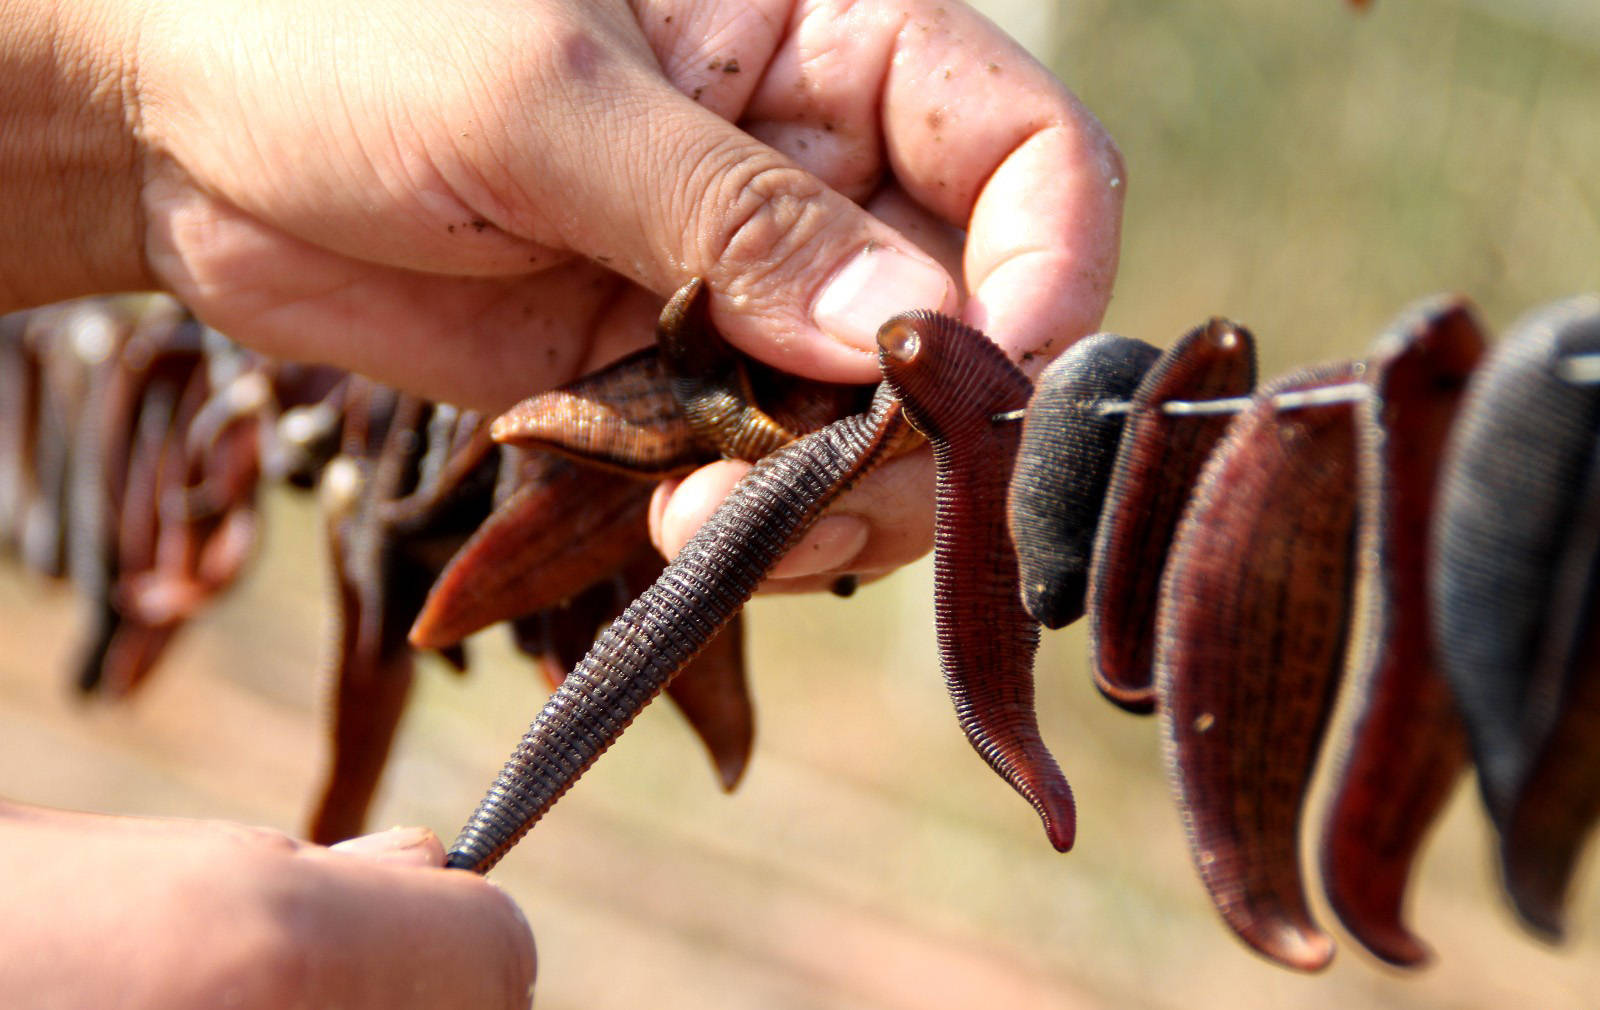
[[1292, 165]]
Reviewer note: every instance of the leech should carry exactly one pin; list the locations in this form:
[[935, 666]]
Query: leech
[[950, 378], [709, 381], [1405, 748], [1157, 465], [700, 592], [1513, 487], [1264, 551], [1064, 458]]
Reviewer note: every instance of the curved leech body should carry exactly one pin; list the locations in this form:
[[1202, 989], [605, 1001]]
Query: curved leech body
[[1251, 633], [1063, 465], [1517, 468], [709, 382], [535, 550], [1516, 568], [952, 381], [1157, 463], [710, 691], [1555, 811], [1405, 749], [698, 593], [622, 417]]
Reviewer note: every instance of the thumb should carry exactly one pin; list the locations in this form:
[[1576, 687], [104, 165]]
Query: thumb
[[800, 276]]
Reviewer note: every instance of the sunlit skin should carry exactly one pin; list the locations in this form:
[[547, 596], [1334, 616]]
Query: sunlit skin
[[474, 202], [415, 193]]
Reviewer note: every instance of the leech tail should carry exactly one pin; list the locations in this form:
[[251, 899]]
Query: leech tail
[[696, 596]]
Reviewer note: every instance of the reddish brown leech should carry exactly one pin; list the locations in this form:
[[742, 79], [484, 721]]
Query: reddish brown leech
[[1250, 638], [953, 380], [1156, 467], [700, 591], [1406, 747]]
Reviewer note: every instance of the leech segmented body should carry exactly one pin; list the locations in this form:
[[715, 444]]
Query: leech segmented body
[[1250, 640], [1157, 464], [1062, 466], [699, 592], [1405, 748], [1518, 556], [1514, 475], [952, 381]]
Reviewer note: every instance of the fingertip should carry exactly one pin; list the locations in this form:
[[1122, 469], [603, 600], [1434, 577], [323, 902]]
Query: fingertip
[[829, 546], [409, 846], [875, 283], [678, 509]]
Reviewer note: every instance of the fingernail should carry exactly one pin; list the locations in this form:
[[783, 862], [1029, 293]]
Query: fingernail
[[877, 283], [831, 544], [402, 844]]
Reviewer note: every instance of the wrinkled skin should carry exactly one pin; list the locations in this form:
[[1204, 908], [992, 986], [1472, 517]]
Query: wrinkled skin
[[421, 208]]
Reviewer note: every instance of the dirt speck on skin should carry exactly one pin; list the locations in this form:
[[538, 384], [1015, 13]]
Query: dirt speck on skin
[[696, 93], [450, 228], [731, 67], [935, 119], [827, 127], [992, 67], [478, 224], [714, 65]]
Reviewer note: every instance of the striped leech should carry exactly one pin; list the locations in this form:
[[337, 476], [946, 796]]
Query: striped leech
[[1405, 749], [713, 576], [1263, 551], [953, 381], [1152, 479]]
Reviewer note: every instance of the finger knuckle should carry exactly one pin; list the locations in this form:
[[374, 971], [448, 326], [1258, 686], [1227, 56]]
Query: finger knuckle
[[763, 215]]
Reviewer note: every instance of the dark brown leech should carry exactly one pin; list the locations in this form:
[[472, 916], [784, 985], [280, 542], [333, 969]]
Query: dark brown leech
[[622, 417], [133, 646], [1250, 639], [150, 630], [373, 669], [712, 577], [1063, 466], [1157, 464], [713, 694], [709, 382], [1555, 811], [1554, 808], [1406, 747], [536, 549], [952, 381], [399, 519], [711, 690], [1514, 474]]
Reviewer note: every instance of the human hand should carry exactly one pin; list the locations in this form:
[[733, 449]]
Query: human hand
[[135, 913], [477, 201]]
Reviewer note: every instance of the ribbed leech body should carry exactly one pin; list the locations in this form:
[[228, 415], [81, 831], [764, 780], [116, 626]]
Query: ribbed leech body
[[709, 382], [622, 417], [1068, 446], [1251, 633], [1516, 569], [1406, 748], [1157, 464], [952, 381], [1511, 485], [698, 593]]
